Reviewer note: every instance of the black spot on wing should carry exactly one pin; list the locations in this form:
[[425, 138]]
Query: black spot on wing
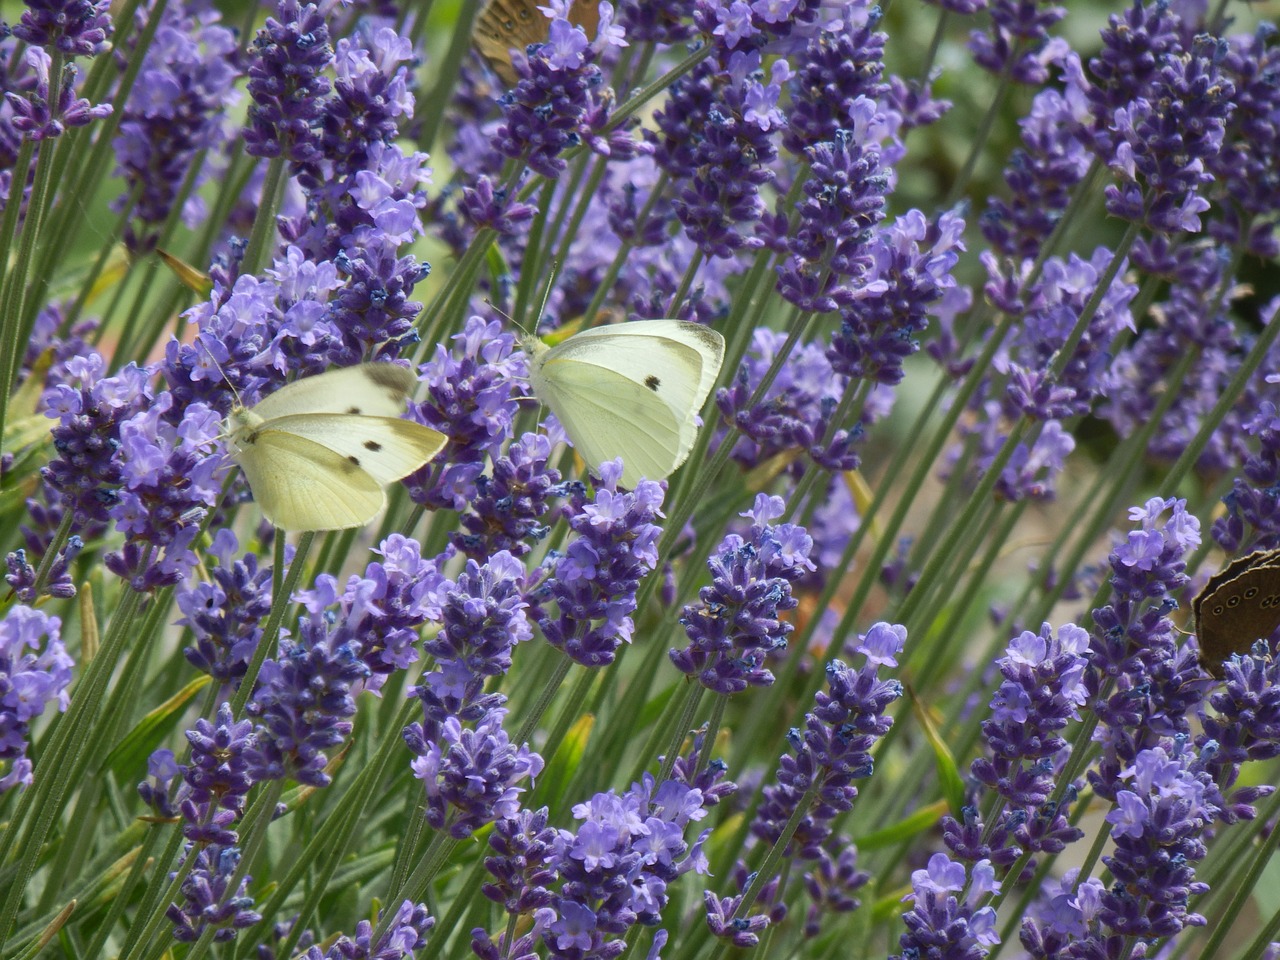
[[372, 446], [652, 382], [354, 460], [354, 411]]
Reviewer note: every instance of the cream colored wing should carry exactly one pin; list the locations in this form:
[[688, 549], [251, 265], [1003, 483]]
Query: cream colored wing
[[386, 448], [301, 485], [369, 389]]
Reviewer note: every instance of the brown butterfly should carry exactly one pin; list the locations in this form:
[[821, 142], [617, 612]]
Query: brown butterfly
[[1239, 604], [506, 25]]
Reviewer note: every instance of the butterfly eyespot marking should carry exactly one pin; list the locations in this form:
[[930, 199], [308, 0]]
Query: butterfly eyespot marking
[[652, 382], [372, 445], [1251, 593]]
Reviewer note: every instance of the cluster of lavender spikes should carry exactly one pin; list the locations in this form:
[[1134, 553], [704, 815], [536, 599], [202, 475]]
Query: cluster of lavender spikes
[[423, 724]]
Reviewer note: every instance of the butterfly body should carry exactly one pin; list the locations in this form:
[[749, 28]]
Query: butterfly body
[[318, 452], [630, 390]]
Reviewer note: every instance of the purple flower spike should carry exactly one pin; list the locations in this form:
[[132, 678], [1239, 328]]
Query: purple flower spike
[[471, 776], [834, 748], [35, 117], [942, 926], [217, 779], [77, 28], [407, 933], [35, 670], [734, 627], [207, 898], [225, 615], [594, 583], [286, 85]]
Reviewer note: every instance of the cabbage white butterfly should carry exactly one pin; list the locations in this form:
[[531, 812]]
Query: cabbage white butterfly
[[318, 451], [629, 390]]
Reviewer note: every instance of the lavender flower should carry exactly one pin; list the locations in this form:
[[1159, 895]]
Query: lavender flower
[[303, 703], [594, 583], [35, 117], [1163, 143], [380, 612], [505, 511], [225, 615], [87, 471], [1157, 827], [76, 28], [34, 670], [833, 750], [939, 924], [470, 399], [285, 83], [734, 627], [168, 483], [1133, 646], [1243, 726], [1018, 44], [162, 770], [481, 616], [22, 576], [217, 778], [176, 109], [407, 933], [831, 883], [206, 902], [1065, 911], [1041, 693], [471, 776]]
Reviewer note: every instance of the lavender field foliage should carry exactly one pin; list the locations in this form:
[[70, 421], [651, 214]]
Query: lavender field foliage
[[901, 663]]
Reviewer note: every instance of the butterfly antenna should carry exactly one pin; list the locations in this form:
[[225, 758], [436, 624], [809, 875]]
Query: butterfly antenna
[[510, 319], [546, 292]]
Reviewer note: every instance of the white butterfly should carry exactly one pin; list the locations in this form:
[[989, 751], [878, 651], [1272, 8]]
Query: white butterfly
[[629, 390], [318, 451]]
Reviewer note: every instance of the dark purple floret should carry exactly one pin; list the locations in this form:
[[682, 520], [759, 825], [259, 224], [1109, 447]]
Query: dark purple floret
[[905, 270], [731, 158], [1162, 811], [207, 897], [303, 704], [494, 208], [1016, 43], [1165, 138], [1245, 168], [735, 626], [839, 66], [545, 114], [834, 748], [471, 776], [225, 616], [176, 109], [1134, 45], [482, 617], [593, 584], [940, 925], [217, 777], [87, 471], [1041, 175], [35, 670], [76, 28], [742, 932], [289, 55], [831, 883], [34, 118], [58, 581], [521, 863], [157, 790], [406, 934], [510, 501], [913, 100], [470, 399], [1253, 504], [1139, 683], [168, 482]]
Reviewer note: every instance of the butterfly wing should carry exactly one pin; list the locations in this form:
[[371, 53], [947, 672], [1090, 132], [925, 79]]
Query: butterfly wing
[[386, 448], [301, 485], [631, 390], [369, 389], [506, 25]]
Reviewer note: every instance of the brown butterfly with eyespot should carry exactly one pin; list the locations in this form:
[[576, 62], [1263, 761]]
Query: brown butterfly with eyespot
[[1238, 605], [506, 25]]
